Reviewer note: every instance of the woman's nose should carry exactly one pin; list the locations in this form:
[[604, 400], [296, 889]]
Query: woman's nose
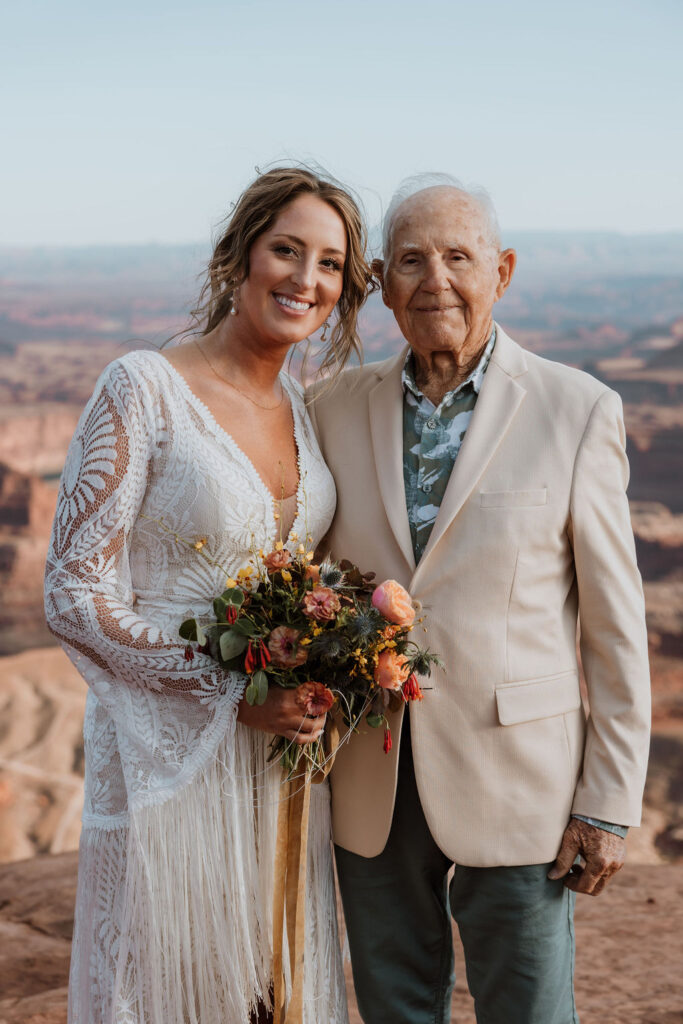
[[303, 274]]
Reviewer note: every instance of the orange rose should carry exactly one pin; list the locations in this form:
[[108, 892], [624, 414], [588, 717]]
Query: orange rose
[[314, 698], [393, 602], [312, 573], [392, 671], [277, 560]]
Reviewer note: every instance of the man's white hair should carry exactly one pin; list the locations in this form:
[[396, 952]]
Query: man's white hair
[[433, 179]]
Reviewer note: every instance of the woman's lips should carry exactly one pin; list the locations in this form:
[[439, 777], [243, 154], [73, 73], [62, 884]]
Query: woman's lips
[[292, 305]]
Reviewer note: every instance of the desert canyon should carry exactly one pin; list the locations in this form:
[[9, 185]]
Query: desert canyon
[[63, 316]]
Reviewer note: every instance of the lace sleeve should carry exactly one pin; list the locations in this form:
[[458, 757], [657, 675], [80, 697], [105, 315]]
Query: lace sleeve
[[136, 670]]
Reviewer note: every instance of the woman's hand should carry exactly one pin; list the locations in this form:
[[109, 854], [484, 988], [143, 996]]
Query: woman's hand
[[281, 716]]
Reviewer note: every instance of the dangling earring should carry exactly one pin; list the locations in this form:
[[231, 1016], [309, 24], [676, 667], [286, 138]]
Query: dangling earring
[[326, 327], [233, 309]]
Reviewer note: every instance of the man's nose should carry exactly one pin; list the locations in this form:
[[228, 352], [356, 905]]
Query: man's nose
[[435, 277]]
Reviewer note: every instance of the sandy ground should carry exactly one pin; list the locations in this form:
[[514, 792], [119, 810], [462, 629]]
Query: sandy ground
[[630, 946]]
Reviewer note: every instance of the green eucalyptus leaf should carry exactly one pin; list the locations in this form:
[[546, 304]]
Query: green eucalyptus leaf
[[231, 644], [244, 627], [219, 606], [374, 720], [188, 629], [260, 680], [251, 694], [233, 596]]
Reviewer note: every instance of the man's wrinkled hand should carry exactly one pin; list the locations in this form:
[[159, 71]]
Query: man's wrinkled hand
[[603, 853]]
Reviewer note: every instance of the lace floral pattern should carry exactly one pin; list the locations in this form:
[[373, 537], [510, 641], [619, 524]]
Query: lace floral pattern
[[166, 762]]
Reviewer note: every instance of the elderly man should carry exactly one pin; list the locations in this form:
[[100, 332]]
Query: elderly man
[[491, 483]]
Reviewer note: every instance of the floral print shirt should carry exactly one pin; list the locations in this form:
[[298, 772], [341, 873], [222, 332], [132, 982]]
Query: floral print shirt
[[431, 441]]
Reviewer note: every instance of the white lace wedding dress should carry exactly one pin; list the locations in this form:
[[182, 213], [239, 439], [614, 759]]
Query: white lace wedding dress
[[174, 905]]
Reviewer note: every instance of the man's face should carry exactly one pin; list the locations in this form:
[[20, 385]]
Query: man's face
[[444, 273]]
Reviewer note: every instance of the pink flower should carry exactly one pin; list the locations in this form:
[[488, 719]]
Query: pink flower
[[393, 602], [277, 560], [314, 698], [392, 671], [321, 604], [285, 649]]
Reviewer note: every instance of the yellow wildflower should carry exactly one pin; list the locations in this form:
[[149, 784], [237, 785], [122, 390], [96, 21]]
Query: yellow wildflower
[[294, 537], [301, 550], [309, 556], [230, 583], [279, 546], [286, 575], [199, 544]]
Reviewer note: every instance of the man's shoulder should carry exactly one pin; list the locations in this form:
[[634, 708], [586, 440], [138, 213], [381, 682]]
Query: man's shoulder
[[559, 383], [352, 384]]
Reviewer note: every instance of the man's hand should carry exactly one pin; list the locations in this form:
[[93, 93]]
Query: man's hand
[[603, 852]]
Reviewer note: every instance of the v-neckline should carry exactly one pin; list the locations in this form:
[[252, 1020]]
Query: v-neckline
[[221, 432]]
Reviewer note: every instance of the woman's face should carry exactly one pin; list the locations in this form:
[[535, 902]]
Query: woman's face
[[296, 271]]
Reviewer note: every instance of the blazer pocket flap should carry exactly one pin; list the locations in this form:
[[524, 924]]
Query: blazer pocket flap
[[513, 499], [538, 698]]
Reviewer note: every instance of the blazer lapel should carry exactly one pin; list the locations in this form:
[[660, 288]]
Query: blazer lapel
[[386, 433], [499, 399]]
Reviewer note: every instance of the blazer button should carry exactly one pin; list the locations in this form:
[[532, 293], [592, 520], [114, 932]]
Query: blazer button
[[417, 605]]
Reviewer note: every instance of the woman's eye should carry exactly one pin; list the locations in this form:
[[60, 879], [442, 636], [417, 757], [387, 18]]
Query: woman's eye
[[332, 264], [285, 250]]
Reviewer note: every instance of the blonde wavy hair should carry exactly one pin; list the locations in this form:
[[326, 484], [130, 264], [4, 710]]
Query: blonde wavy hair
[[255, 212]]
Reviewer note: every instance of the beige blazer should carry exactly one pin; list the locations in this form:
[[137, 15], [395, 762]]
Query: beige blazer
[[533, 533]]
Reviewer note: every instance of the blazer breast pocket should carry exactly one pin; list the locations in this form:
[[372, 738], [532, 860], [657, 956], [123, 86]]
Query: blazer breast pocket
[[513, 499]]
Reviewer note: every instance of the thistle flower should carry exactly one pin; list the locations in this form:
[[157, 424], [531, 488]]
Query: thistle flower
[[363, 625], [329, 647], [331, 575]]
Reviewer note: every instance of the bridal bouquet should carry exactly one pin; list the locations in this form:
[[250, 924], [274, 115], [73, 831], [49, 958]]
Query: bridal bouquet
[[287, 622]]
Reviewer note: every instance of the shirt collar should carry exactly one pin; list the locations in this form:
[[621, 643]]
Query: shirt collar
[[474, 380]]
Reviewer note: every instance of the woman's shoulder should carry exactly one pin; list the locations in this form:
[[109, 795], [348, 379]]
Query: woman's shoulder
[[144, 369]]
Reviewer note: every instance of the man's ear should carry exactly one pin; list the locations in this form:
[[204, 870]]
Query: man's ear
[[507, 261], [377, 267]]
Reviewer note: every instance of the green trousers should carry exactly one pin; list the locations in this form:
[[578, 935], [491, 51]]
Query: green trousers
[[515, 924]]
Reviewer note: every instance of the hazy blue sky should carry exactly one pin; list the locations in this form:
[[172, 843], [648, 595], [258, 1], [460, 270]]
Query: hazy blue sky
[[140, 121]]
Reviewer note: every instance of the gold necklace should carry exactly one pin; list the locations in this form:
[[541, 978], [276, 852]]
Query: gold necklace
[[269, 408]]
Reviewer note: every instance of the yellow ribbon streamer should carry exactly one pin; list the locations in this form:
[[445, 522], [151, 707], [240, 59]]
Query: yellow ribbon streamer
[[289, 898]]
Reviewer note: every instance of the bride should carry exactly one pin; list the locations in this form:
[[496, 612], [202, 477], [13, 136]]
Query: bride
[[181, 465]]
